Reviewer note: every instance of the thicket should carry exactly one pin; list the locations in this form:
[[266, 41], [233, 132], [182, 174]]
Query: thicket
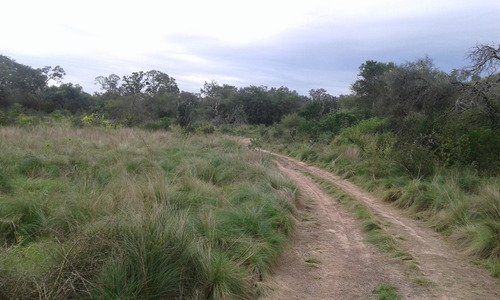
[[103, 213]]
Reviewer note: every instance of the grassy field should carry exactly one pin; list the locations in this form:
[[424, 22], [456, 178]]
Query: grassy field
[[131, 214]]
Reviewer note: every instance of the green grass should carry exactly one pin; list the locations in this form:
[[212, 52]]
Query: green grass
[[312, 260], [386, 293], [132, 214]]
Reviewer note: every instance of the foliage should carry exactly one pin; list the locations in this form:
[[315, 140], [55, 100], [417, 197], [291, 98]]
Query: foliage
[[386, 293], [162, 124], [185, 107], [126, 213], [311, 111]]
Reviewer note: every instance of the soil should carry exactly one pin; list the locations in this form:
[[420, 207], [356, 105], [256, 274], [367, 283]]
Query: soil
[[329, 258]]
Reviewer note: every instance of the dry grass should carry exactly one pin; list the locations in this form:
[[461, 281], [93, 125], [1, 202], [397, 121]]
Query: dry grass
[[128, 213]]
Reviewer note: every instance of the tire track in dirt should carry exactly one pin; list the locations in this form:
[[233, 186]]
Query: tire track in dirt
[[345, 267], [450, 272]]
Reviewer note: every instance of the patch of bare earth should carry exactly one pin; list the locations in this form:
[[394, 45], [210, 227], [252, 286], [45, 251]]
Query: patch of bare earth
[[329, 259]]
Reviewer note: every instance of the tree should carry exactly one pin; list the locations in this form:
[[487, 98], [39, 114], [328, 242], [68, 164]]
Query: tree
[[370, 88], [134, 83], [484, 58], [68, 97], [416, 87], [256, 104], [159, 83], [286, 102], [311, 111], [478, 94], [24, 84], [110, 84], [327, 102], [219, 102], [185, 108], [55, 74]]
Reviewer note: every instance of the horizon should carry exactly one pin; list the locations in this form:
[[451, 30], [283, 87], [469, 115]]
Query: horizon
[[320, 44]]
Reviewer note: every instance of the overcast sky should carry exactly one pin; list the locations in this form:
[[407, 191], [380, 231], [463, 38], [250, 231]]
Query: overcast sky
[[299, 44]]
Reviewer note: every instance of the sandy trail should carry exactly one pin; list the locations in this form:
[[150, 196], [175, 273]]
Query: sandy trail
[[350, 268], [346, 266]]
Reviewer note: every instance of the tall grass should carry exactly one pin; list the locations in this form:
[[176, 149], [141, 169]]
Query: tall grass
[[126, 213]]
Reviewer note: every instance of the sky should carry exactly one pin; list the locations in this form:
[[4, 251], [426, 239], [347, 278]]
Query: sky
[[302, 45]]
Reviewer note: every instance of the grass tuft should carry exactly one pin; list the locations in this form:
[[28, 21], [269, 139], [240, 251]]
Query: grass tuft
[[386, 293], [132, 214]]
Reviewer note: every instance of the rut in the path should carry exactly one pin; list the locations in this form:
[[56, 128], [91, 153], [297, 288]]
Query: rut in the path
[[449, 272], [328, 257]]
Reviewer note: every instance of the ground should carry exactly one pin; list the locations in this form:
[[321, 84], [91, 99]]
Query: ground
[[329, 257]]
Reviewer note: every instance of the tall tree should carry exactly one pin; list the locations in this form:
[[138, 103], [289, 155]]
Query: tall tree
[[219, 101], [327, 102], [134, 83], [55, 74], [25, 84], [185, 108], [110, 84], [371, 85], [159, 83]]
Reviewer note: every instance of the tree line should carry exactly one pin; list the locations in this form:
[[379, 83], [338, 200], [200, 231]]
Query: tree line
[[450, 116], [141, 97]]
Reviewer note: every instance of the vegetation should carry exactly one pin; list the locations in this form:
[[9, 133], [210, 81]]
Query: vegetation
[[121, 194], [386, 293], [125, 213], [424, 140]]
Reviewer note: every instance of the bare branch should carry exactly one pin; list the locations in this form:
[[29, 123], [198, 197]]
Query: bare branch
[[484, 58]]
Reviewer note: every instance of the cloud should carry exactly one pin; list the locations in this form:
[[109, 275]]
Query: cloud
[[301, 45]]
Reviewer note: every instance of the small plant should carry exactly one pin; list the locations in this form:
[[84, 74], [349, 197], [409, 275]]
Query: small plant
[[57, 117], [24, 120], [165, 123], [90, 120], [107, 124], [385, 292], [312, 260]]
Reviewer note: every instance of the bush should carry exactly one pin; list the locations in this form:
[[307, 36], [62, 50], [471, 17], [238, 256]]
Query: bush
[[337, 121], [291, 121], [31, 167], [155, 258], [162, 124], [478, 148], [416, 160], [205, 128]]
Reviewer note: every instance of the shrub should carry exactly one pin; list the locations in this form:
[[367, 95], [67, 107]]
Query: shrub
[[291, 121], [155, 258], [205, 128], [416, 160], [57, 117], [31, 167], [478, 148], [336, 121], [162, 124]]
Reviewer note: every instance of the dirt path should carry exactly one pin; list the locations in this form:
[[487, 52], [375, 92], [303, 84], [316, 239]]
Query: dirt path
[[349, 268], [328, 258]]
